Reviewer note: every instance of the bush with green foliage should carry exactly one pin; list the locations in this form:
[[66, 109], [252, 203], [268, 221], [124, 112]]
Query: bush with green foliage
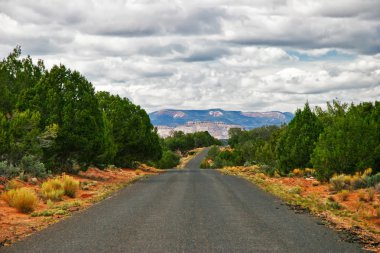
[[56, 117], [32, 166], [182, 142], [9, 170], [222, 158], [168, 160], [350, 143], [128, 134], [344, 139], [372, 181], [297, 143], [256, 146]]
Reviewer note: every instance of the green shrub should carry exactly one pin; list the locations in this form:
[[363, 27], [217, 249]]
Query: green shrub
[[213, 152], [23, 177], [9, 170], [168, 160], [45, 213], [31, 165], [61, 212], [268, 170], [372, 181], [228, 158]]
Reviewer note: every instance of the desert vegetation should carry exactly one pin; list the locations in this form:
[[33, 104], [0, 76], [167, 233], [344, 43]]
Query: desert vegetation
[[61, 142], [325, 161], [23, 199], [53, 121], [182, 145], [343, 139]]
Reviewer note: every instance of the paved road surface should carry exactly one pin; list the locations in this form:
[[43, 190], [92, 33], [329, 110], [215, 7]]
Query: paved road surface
[[188, 210]]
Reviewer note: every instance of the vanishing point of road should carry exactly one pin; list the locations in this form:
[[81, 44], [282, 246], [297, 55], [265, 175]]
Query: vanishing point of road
[[188, 210]]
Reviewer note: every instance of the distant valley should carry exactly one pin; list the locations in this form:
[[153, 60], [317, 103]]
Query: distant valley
[[216, 121]]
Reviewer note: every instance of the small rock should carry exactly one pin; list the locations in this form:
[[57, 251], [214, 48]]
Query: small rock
[[73, 209]]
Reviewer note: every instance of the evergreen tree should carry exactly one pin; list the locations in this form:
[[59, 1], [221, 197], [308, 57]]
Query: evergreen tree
[[16, 76], [67, 99], [23, 135], [298, 141], [350, 144], [132, 133]]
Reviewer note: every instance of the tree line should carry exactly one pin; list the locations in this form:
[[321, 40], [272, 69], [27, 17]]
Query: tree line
[[54, 120], [180, 143], [344, 138]]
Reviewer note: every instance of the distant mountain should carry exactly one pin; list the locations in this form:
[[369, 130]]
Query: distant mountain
[[248, 120]]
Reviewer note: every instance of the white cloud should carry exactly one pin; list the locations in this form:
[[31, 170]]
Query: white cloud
[[242, 54]]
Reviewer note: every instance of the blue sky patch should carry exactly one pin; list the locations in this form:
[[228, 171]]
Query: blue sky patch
[[331, 55]]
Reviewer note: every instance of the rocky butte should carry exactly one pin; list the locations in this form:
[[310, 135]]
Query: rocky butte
[[216, 121]]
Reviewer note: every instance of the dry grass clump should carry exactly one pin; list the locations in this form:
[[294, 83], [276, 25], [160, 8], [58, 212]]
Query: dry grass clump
[[371, 194], [70, 186], [345, 182], [343, 195], [362, 195], [298, 172], [295, 190], [307, 172], [339, 182], [53, 189], [310, 172], [14, 184], [23, 199], [261, 175], [377, 212]]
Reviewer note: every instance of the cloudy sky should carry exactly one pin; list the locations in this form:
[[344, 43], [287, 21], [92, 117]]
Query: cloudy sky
[[250, 55]]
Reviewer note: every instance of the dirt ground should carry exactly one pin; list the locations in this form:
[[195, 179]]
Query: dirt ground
[[95, 185]]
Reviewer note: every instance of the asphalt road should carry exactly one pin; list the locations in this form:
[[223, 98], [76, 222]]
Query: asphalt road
[[189, 210]]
